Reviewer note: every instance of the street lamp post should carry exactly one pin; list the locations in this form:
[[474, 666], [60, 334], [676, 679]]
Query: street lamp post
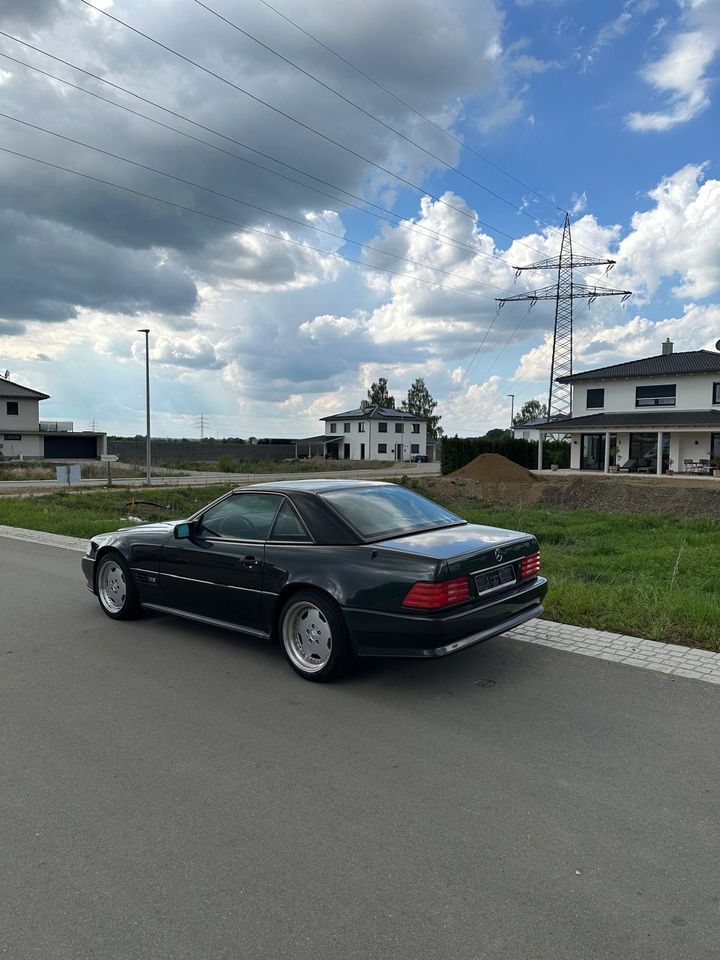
[[512, 407], [146, 331]]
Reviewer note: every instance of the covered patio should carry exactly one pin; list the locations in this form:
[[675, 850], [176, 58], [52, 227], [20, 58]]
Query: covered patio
[[685, 442]]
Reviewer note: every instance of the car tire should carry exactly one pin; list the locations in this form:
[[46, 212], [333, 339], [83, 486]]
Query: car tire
[[314, 637], [115, 587]]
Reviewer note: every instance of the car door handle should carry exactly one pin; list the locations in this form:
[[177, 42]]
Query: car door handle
[[250, 562]]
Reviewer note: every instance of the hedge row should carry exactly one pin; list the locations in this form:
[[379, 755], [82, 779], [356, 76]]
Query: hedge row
[[457, 451]]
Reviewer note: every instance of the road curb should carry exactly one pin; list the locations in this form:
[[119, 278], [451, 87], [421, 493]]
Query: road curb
[[668, 658], [78, 544]]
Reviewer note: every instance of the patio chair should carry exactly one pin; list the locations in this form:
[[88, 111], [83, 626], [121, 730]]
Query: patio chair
[[630, 466]]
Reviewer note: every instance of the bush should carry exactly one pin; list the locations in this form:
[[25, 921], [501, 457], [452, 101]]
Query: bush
[[228, 464], [457, 451]]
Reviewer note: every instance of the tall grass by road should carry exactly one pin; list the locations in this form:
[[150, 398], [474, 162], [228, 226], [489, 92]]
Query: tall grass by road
[[651, 576]]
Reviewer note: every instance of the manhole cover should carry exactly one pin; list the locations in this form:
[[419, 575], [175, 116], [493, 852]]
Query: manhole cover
[[484, 683]]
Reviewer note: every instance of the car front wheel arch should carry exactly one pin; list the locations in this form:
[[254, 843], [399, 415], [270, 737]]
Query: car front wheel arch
[[116, 591]]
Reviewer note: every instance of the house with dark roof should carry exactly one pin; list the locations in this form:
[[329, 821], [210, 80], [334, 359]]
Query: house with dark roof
[[371, 432], [23, 435], [644, 416]]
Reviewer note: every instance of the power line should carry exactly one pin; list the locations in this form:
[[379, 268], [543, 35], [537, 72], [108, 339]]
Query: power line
[[368, 113], [244, 226], [246, 203], [289, 117], [408, 106], [413, 110], [397, 221], [507, 382], [387, 215], [565, 292]]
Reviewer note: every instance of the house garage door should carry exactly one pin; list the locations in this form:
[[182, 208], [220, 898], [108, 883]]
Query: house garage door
[[76, 448]]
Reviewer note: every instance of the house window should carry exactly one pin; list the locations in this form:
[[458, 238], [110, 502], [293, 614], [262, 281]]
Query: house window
[[658, 396], [398, 428], [716, 393], [361, 427], [382, 447], [382, 428], [346, 428], [12, 408], [595, 399], [416, 428], [13, 436], [414, 448], [333, 428]]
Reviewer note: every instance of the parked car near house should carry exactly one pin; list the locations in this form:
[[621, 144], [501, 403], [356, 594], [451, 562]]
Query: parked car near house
[[334, 569]]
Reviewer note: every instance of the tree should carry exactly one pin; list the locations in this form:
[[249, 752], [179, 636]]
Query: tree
[[378, 394], [532, 410], [420, 402], [497, 434]]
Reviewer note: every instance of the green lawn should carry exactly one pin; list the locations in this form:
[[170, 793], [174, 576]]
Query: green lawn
[[91, 511], [648, 576]]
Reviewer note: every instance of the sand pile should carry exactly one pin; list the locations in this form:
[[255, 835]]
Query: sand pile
[[492, 468]]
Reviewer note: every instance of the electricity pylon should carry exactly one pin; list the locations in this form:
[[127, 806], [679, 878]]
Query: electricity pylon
[[564, 292], [201, 423]]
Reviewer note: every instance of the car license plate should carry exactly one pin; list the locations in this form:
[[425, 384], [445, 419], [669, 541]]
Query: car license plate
[[495, 579]]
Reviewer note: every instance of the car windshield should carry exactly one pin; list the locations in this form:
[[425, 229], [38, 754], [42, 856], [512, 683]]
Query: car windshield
[[384, 511]]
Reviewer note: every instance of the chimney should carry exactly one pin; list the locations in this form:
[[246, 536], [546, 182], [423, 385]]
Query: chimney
[[667, 347]]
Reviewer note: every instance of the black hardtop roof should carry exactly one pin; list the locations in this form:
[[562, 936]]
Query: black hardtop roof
[[319, 485]]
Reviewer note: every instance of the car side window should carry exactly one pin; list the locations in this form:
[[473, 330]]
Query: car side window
[[289, 527], [243, 516]]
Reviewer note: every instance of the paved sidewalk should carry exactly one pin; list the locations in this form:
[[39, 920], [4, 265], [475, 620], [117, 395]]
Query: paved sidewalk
[[635, 652]]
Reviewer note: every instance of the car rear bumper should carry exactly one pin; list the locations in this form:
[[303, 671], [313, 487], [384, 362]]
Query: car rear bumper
[[379, 634]]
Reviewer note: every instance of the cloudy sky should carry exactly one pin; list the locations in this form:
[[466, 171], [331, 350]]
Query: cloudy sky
[[294, 218]]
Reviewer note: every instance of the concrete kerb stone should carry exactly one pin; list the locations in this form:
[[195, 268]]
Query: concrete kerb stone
[[668, 658], [77, 544]]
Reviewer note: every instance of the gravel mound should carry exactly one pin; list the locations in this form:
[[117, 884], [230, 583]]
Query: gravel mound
[[492, 468]]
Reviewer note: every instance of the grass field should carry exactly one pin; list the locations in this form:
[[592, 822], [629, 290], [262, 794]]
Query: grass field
[[649, 576]]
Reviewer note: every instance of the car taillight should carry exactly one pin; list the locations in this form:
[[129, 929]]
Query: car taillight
[[530, 566], [433, 596]]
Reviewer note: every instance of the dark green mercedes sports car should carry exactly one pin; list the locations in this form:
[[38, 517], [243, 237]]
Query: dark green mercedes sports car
[[335, 569]]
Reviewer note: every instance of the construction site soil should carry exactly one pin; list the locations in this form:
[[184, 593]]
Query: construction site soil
[[670, 496]]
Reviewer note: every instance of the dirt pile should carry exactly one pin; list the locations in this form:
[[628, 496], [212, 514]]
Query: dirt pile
[[492, 468], [612, 494]]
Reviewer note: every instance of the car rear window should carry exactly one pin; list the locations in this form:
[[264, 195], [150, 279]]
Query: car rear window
[[384, 511]]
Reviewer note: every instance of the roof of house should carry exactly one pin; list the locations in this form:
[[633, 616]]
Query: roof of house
[[374, 412], [691, 361], [322, 438], [658, 419], [17, 391]]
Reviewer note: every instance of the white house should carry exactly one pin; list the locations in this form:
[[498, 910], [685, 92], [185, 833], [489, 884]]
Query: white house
[[376, 433], [23, 434], [624, 414]]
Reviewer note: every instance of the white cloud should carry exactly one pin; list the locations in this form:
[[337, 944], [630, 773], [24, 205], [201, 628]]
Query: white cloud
[[681, 74], [678, 238]]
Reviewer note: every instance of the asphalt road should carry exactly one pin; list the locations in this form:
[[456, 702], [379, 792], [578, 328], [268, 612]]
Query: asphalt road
[[174, 792]]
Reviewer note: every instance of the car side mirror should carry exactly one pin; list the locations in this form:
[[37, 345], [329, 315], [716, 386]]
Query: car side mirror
[[183, 531]]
